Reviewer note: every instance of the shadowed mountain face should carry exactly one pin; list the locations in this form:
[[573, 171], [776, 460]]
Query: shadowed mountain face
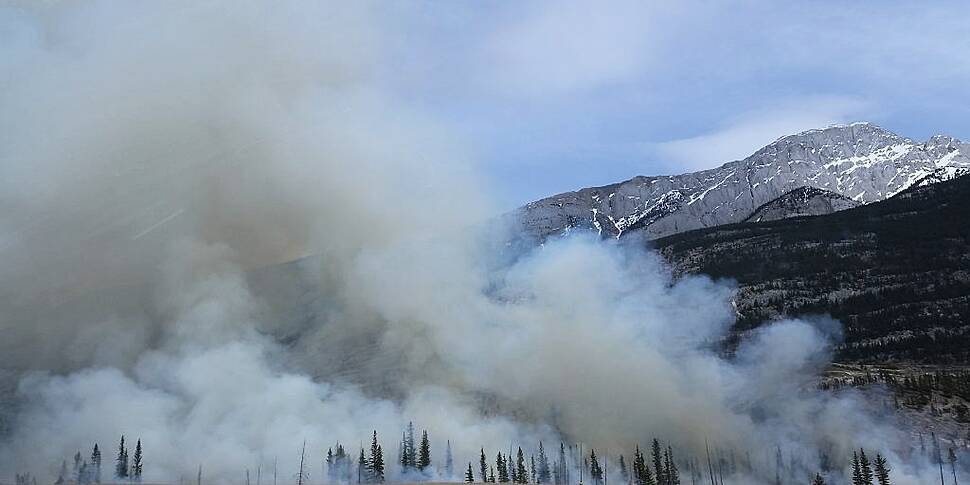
[[896, 273], [803, 201], [861, 162]]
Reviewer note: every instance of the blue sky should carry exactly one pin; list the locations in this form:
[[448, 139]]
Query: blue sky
[[553, 96]]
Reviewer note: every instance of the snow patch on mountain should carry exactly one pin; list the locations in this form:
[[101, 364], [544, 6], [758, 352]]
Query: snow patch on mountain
[[858, 161]]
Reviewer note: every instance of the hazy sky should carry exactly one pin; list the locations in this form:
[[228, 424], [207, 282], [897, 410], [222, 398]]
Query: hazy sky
[[553, 96]]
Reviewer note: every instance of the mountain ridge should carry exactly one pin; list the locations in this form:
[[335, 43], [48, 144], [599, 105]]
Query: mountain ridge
[[861, 161]]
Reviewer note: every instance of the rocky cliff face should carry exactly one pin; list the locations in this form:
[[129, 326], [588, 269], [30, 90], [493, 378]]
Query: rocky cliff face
[[861, 161]]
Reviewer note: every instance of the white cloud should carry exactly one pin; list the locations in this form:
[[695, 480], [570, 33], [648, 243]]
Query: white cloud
[[569, 47], [743, 135]]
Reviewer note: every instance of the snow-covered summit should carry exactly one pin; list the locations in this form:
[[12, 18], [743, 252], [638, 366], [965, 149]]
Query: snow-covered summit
[[860, 161]]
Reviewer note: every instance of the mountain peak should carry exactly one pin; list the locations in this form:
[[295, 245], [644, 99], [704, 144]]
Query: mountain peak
[[843, 140], [860, 161]]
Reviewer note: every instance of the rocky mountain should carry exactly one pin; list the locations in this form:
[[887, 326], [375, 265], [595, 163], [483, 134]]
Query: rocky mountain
[[803, 201], [896, 273], [860, 161]]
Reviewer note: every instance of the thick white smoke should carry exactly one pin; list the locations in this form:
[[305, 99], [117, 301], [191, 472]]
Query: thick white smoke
[[153, 154]]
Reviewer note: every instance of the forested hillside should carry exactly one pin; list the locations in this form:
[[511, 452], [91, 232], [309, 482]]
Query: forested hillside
[[896, 273]]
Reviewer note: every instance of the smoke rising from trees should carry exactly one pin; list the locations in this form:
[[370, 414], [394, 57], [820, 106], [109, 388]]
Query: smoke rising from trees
[[152, 155]]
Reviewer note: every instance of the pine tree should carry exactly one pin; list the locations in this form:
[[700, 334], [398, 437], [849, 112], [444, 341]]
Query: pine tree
[[376, 461], [563, 464], [543, 474], [121, 464], [405, 458], [865, 470], [449, 462], [96, 464], [952, 459], [412, 453], [469, 478], [595, 472], [856, 470], [77, 467], [491, 476], [937, 455], [510, 466], [341, 462], [483, 467], [624, 473], [779, 465], [657, 456], [532, 467], [882, 470], [671, 473], [424, 453], [503, 471], [818, 480], [641, 472], [521, 474], [136, 463], [363, 468]]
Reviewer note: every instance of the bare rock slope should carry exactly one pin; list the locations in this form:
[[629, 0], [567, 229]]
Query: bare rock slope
[[860, 161]]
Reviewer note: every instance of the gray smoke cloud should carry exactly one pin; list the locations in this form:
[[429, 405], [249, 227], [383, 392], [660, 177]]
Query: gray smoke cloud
[[156, 159]]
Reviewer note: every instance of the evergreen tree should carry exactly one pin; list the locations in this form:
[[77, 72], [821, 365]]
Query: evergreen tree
[[856, 470], [562, 465], [595, 472], [532, 467], [121, 464], [405, 458], [424, 453], [329, 465], [521, 474], [362, 468], [491, 476], [543, 475], [483, 467], [136, 463], [503, 471], [641, 472], [671, 473], [510, 466], [882, 470], [779, 465], [657, 457], [376, 461], [469, 478], [818, 480], [952, 459], [96, 464], [624, 473], [77, 467], [865, 470], [342, 462], [449, 462], [937, 455], [412, 453]]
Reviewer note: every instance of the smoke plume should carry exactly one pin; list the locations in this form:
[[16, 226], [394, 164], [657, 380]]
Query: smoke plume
[[158, 160]]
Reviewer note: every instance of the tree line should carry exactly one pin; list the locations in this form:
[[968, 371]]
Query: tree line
[[86, 471], [658, 464]]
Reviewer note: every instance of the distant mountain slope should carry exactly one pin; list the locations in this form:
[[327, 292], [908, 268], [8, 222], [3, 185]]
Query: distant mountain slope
[[803, 201], [896, 273], [860, 161]]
